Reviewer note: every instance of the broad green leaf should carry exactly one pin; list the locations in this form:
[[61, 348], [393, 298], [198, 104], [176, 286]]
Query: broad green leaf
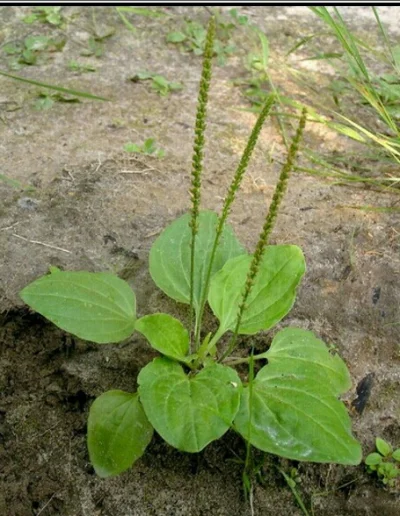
[[299, 352], [118, 432], [272, 295], [391, 471], [189, 411], [165, 334], [383, 447], [170, 256], [396, 455], [296, 414], [373, 459], [94, 306], [36, 42]]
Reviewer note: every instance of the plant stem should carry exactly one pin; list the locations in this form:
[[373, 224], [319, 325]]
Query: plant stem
[[219, 333], [230, 197], [292, 484], [197, 160], [248, 461], [267, 228], [278, 115], [237, 361]]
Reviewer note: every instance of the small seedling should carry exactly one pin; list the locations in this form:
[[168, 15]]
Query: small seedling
[[158, 82], [385, 462], [77, 67], [240, 19], [95, 44], [141, 11], [292, 480], [95, 47], [256, 87], [192, 394], [255, 90], [47, 100], [31, 50], [51, 15], [149, 148], [32, 46], [192, 38]]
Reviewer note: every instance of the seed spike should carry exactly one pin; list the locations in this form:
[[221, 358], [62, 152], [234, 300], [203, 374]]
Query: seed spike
[[199, 140], [270, 219], [230, 197]]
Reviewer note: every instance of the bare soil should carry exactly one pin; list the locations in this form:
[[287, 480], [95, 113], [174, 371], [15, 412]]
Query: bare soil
[[93, 207]]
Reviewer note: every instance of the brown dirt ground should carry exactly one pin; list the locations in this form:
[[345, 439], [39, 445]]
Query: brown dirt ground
[[103, 209]]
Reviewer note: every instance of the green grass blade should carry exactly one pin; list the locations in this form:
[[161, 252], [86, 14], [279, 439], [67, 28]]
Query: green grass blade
[[68, 91], [125, 20], [377, 209], [301, 43], [12, 182], [383, 33], [350, 41], [373, 99], [264, 46], [142, 11], [345, 38], [377, 138], [292, 484]]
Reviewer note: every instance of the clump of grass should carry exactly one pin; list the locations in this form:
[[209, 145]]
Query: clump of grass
[[355, 83], [192, 37], [375, 93], [159, 83], [149, 148]]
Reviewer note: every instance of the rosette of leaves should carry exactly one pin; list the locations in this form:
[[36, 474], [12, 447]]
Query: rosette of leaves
[[290, 409], [385, 462], [191, 394]]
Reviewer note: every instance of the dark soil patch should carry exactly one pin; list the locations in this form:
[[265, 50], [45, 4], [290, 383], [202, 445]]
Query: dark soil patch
[[48, 381]]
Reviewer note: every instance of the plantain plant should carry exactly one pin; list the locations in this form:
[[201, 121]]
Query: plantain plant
[[192, 394]]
